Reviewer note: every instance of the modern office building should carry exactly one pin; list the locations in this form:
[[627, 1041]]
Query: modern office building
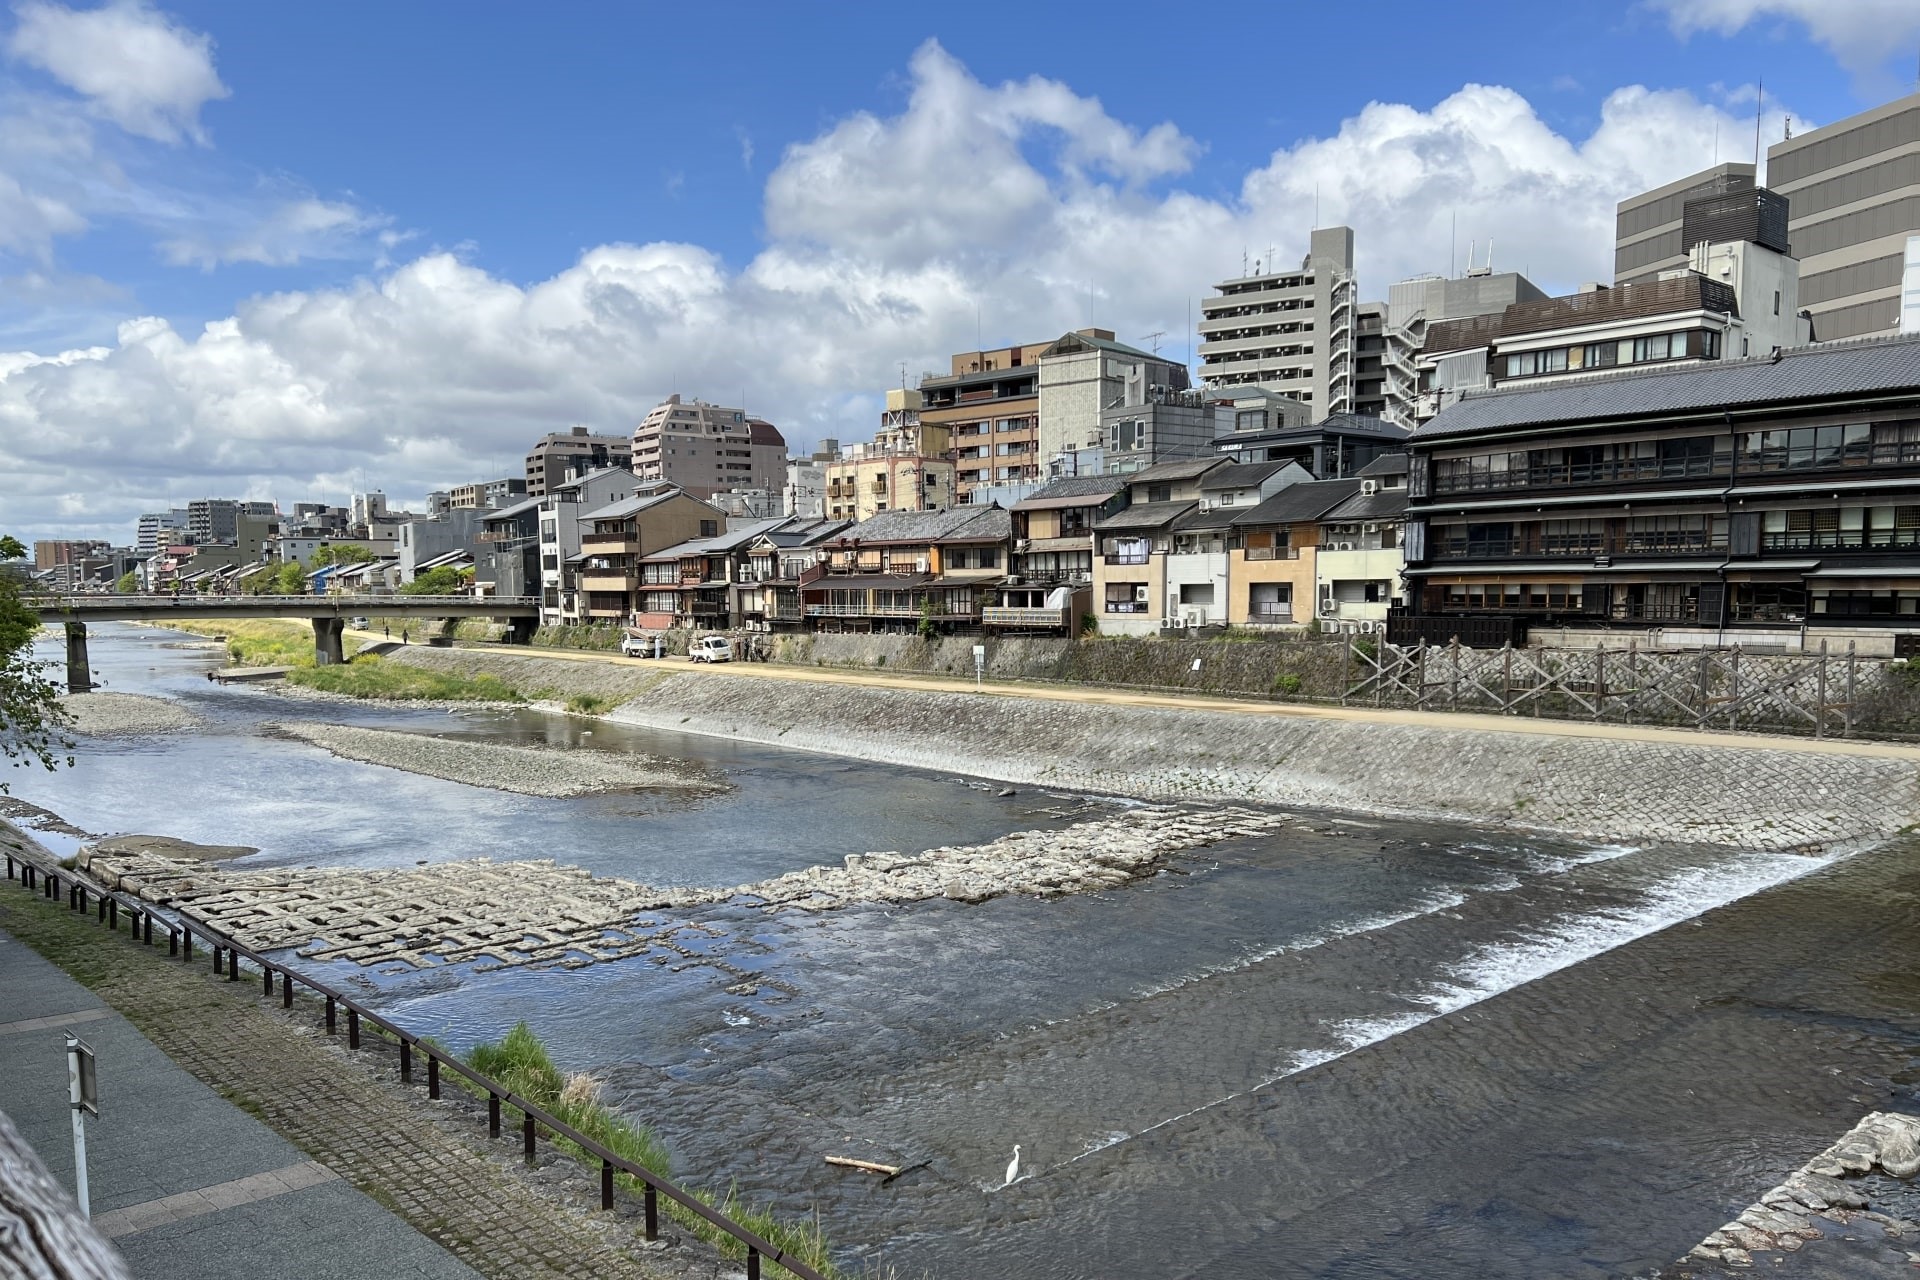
[[1854, 191], [707, 449], [561, 456], [1290, 331], [1649, 228]]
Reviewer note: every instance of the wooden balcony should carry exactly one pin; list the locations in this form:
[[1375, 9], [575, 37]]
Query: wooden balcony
[[1025, 618], [605, 581]]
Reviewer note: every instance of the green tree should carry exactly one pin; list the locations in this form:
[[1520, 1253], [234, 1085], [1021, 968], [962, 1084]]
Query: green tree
[[128, 584], [441, 580], [289, 579], [344, 553], [31, 719]]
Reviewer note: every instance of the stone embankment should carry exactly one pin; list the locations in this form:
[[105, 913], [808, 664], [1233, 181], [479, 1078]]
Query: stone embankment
[[1594, 787], [528, 770], [509, 914], [1828, 1194], [112, 715]]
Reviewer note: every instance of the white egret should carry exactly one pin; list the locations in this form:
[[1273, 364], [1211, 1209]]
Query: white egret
[[1013, 1166]]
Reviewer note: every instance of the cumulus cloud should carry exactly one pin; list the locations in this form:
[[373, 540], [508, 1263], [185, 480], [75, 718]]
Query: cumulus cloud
[[284, 234], [1021, 208], [1862, 34], [131, 63]]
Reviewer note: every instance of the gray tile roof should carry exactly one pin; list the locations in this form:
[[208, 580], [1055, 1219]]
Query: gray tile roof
[[958, 524], [1875, 365], [1381, 504], [627, 506], [1308, 500], [1096, 489], [507, 513], [1387, 464], [1176, 469], [1146, 515], [1243, 475]]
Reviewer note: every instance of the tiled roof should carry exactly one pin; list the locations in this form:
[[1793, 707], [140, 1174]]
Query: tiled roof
[[959, 524], [1146, 515], [1176, 469], [1243, 475], [1805, 373], [1308, 500], [1068, 492], [1387, 464], [507, 513], [1381, 504], [627, 506]]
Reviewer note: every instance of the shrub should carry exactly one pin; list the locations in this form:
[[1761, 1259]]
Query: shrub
[[371, 678], [1287, 684], [590, 704]]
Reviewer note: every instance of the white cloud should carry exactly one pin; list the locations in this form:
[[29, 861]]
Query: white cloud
[[134, 66], [286, 233], [1862, 34], [890, 238]]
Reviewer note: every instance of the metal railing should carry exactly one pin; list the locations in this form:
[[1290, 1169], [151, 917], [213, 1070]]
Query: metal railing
[[82, 890]]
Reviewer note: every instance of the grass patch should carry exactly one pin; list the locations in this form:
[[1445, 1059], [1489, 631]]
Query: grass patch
[[591, 704], [380, 681], [256, 642], [521, 1063]]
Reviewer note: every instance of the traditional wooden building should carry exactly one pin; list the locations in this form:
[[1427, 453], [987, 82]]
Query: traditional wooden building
[[1769, 501]]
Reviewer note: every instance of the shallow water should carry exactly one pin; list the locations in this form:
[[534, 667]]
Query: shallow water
[[1351, 1049]]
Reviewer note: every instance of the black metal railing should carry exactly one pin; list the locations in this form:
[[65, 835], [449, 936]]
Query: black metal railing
[[82, 891]]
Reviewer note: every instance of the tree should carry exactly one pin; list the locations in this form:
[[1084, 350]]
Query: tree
[[344, 553], [289, 580], [31, 718], [128, 584], [441, 580]]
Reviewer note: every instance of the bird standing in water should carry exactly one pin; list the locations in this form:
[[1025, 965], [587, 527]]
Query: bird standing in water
[[1013, 1166]]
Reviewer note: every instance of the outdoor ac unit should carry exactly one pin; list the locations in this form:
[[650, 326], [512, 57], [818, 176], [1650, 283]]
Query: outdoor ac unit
[[1328, 608], [1367, 628], [1194, 618], [1344, 546], [1372, 528], [1140, 592]]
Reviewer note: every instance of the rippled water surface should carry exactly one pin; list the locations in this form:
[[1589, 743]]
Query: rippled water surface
[[1352, 1048]]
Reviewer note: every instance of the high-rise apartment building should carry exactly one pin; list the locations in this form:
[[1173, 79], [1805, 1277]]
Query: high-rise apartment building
[[990, 403], [1854, 193], [1288, 331], [707, 448], [1649, 231], [561, 456]]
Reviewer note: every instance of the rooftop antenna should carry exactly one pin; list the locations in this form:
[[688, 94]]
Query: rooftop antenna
[[1453, 241], [903, 375], [1155, 337], [1759, 103], [1789, 134], [1716, 140]]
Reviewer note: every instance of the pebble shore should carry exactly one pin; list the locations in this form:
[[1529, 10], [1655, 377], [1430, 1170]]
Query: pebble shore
[[526, 770], [112, 715]]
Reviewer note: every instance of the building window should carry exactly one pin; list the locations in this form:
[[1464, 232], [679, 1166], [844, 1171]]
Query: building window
[[1160, 493], [1657, 347], [709, 528]]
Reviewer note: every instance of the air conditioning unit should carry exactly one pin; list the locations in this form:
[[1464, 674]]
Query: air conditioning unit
[[1368, 628], [1343, 546], [1328, 609], [1372, 528], [1194, 618], [1140, 592]]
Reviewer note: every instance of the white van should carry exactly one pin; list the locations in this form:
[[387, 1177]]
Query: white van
[[710, 649]]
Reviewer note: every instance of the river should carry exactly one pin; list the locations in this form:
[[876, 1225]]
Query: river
[[1355, 1048]]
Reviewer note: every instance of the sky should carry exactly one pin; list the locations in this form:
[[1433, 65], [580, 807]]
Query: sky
[[297, 251]]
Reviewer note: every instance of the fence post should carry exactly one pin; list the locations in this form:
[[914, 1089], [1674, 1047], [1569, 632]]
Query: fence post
[[1454, 693], [1506, 678], [653, 1213], [493, 1114], [1599, 680], [527, 1133], [1702, 708], [1346, 670], [1420, 677], [433, 1075], [1733, 707], [1820, 710], [606, 1184], [330, 1015], [1853, 659]]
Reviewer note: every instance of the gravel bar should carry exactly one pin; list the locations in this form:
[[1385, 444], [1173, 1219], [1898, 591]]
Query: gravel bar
[[527, 770], [109, 715]]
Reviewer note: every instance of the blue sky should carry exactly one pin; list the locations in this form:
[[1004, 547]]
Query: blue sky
[[424, 233]]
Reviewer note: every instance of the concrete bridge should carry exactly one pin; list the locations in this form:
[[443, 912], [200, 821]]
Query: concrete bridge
[[328, 614]]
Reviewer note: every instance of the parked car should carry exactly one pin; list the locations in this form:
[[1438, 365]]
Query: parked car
[[358, 624], [710, 649], [633, 646]]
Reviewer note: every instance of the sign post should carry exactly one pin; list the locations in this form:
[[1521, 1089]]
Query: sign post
[[83, 1094], [979, 665]]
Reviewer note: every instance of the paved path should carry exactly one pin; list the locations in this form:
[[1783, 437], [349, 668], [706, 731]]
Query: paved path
[[189, 1184], [1180, 702]]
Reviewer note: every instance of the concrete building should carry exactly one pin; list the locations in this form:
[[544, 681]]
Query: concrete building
[[1154, 424], [1390, 340], [423, 540], [706, 448], [562, 456], [1290, 331], [1331, 449], [1910, 288], [990, 406], [58, 553], [1854, 193], [1357, 567], [1648, 227], [907, 467], [217, 519], [1085, 373], [507, 558], [560, 554], [805, 493], [491, 495], [158, 529]]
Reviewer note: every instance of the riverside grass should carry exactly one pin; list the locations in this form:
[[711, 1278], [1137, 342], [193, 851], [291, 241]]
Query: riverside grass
[[255, 642], [371, 678], [520, 1062]]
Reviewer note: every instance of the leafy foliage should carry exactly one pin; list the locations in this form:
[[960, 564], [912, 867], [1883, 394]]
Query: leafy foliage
[[128, 584], [344, 553], [32, 722], [369, 677], [441, 580]]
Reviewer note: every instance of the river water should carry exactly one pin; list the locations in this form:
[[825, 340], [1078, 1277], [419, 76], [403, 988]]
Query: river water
[[1354, 1048]]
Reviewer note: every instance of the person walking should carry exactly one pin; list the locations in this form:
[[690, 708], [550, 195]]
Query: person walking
[[403, 635]]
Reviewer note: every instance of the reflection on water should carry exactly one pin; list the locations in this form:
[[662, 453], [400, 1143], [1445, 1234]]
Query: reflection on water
[[1388, 1049]]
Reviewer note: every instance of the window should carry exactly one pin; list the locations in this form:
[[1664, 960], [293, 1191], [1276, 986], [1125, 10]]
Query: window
[[1776, 302], [1657, 347], [1271, 602], [1599, 355], [1160, 493], [1127, 435], [1196, 593], [709, 528]]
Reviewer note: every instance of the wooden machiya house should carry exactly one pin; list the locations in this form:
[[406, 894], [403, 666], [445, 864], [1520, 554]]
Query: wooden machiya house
[[1768, 501], [902, 567]]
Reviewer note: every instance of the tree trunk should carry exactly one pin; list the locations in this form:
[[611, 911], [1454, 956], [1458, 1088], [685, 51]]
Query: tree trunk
[[42, 1235]]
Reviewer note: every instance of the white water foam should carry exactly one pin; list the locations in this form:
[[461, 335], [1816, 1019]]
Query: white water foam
[[1561, 943]]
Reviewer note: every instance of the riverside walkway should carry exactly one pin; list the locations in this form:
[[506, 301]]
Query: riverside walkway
[[235, 1143]]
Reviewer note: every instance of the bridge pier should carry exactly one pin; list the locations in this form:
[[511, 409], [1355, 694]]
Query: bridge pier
[[520, 630], [327, 650], [79, 670]]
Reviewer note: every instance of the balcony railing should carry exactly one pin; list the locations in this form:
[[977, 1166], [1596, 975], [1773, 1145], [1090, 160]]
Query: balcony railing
[[1273, 553], [605, 539], [1618, 471], [1271, 613], [1841, 540], [1583, 548], [1126, 557], [1015, 616], [1126, 606], [862, 611]]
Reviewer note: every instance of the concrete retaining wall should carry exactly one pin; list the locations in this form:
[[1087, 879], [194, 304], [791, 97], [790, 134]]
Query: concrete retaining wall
[[1594, 787]]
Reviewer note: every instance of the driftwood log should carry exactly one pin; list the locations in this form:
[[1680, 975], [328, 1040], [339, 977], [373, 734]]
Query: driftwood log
[[865, 1166], [42, 1235]]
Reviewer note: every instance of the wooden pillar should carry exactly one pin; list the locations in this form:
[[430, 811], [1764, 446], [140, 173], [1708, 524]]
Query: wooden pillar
[[79, 672]]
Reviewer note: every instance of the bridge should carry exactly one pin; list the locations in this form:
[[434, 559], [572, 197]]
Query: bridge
[[329, 615]]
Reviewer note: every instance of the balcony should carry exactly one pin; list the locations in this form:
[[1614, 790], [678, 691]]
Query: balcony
[[862, 611], [1577, 475], [1126, 606], [1009, 616], [1841, 540], [1658, 543], [1126, 557], [1271, 614], [610, 544], [1273, 553], [609, 582]]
